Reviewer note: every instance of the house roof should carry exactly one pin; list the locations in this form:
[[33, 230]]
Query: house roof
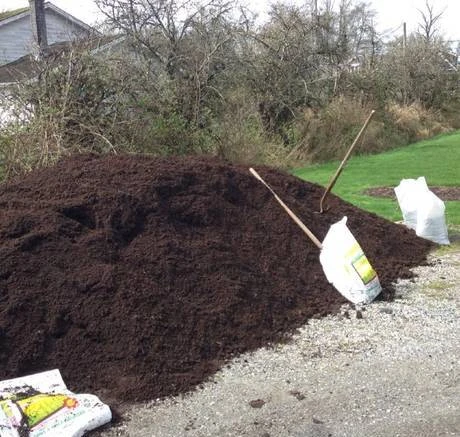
[[27, 68], [22, 68], [10, 16]]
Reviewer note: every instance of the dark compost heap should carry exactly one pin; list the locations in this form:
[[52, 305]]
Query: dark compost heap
[[138, 277]]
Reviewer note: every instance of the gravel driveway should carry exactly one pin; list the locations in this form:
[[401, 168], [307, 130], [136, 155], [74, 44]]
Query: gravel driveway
[[391, 370]]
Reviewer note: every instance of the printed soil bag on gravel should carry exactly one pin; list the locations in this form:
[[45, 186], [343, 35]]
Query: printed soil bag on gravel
[[40, 405], [346, 266]]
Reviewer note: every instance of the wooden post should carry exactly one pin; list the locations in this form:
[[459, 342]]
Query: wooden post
[[404, 63], [38, 23], [404, 38], [317, 27]]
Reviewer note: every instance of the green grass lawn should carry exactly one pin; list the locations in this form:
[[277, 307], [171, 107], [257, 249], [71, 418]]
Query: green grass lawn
[[437, 159]]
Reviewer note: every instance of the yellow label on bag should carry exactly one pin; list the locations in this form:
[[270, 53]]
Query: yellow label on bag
[[361, 264], [37, 408]]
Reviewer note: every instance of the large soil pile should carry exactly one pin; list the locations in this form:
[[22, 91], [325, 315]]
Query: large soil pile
[[139, 277]]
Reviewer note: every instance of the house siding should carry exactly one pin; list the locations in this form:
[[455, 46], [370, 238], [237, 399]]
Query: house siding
[[15, 40], [16, 37]]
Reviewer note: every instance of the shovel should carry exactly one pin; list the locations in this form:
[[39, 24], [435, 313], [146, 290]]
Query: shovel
[[342, 164], [343, 261], [291, 214]]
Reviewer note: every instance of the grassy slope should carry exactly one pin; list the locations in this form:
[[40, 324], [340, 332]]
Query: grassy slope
[[437, 159]]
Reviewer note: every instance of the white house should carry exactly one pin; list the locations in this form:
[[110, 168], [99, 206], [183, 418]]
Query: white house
[[18, 46], [16, 34]]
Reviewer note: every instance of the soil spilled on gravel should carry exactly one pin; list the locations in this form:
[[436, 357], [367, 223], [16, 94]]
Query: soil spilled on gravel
[[139, 277]]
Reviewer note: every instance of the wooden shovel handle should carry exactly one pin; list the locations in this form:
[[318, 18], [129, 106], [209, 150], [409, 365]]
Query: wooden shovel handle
[[291, 214], [342, 164]]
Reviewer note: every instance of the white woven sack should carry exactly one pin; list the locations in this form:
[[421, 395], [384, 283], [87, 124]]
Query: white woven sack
[[422, 210]]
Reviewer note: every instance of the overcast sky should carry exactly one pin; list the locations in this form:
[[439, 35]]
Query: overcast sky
[[390, 13]]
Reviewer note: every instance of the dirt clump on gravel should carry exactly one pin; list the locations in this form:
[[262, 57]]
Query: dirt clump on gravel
[[139, 277]]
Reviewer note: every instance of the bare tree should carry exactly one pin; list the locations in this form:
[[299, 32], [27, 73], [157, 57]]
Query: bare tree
[[160, 26], [189, 42], [428, 27], [303, 50]]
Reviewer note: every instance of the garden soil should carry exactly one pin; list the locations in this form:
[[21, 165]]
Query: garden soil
[[444, 193], [139, 277]]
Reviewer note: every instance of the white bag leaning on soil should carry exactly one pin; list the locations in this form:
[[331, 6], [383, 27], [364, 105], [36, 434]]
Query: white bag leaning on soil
[[40, 405], [422, 210], [346, 266]]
